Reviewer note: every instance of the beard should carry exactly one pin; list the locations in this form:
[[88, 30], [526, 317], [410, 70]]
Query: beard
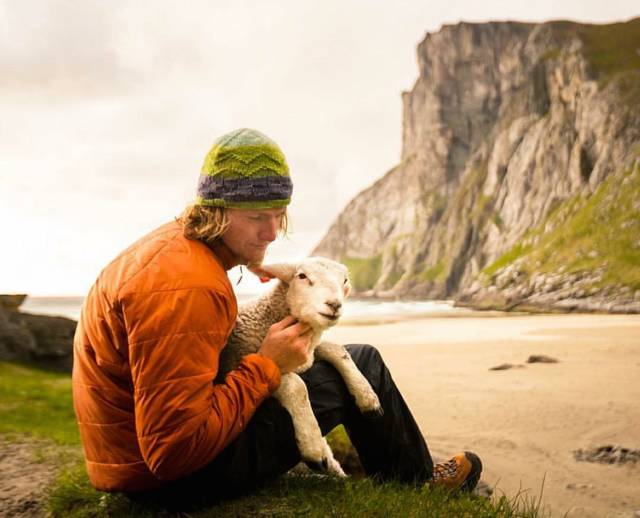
[[254, 257]]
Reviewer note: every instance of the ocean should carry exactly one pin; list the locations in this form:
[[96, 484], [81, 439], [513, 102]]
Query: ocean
[[353, 309]]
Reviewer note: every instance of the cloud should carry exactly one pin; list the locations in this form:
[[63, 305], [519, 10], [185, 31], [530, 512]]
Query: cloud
[[57, 44]]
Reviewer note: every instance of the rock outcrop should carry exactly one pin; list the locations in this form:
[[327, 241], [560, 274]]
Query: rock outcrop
[[510, 133], [36, 339]]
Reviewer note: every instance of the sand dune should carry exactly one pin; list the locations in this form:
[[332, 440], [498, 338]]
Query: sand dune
[[524, 422]]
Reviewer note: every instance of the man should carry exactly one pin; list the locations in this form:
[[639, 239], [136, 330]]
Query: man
[[146, 352]]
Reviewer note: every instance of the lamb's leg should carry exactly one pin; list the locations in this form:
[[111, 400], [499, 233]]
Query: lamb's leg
[[366, 399], [314, 449]]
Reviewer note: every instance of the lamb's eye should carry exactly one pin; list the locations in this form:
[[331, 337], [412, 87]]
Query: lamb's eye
[[302, 276], [345, 281]]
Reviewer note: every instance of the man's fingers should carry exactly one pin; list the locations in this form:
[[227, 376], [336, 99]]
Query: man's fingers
[[299, 329], [292, 324], [284, 323], [307, 331]]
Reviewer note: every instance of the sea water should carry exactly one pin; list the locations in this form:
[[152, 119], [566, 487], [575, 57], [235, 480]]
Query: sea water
[[353, 309]]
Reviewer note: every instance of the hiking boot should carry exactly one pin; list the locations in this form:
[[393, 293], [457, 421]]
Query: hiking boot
[[460, 473]]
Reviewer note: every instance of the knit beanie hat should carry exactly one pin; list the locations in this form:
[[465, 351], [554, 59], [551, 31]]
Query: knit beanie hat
[[244, 170]]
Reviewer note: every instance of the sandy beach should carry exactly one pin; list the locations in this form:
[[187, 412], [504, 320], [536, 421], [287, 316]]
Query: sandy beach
[[524, 422]]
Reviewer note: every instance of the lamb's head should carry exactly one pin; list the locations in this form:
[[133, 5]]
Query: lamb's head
[[316, 290]]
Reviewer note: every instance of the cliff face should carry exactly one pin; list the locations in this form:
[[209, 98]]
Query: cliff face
[[506, 124]]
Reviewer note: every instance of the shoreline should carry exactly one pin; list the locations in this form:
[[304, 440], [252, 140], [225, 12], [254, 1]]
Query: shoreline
[[562, 306], [463, 307], [535, 304]]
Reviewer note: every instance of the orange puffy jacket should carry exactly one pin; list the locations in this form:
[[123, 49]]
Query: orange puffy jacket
[[146, 353]]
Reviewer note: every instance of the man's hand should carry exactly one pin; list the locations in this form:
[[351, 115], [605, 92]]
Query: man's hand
[[287, 344]]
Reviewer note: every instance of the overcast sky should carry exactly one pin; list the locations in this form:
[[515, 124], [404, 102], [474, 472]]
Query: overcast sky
[[107, 109]]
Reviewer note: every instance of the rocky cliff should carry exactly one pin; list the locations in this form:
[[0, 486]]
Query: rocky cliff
[[518, 175]]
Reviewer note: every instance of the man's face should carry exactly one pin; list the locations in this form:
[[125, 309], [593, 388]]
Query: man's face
[[250, 232]]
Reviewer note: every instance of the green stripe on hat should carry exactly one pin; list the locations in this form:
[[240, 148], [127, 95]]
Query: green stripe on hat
[[218, 202]]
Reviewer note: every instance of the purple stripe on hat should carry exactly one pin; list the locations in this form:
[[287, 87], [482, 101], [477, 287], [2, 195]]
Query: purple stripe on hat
[[265, 188]]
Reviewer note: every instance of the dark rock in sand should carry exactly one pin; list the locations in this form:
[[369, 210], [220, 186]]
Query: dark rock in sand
[[506, 366], [608, 454], [541, 358], [36, 339], [573, 486]]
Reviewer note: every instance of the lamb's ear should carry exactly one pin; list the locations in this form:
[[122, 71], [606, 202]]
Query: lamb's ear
[[282, 271]]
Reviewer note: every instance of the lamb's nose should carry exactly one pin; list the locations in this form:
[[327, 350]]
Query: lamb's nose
[[334, 304]]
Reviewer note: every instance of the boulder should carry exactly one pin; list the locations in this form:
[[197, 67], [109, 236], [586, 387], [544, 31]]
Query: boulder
[[40, 340]]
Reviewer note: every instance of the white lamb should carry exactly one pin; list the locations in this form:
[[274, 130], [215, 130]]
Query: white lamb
[[312, 291]]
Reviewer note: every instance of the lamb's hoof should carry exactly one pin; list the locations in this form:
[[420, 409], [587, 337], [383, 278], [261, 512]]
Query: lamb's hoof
[[335, 469], [369, 404], [321, 466], [376, 413]]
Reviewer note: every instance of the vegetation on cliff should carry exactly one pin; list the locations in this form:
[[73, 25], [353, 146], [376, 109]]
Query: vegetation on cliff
[[610, 49], [363, 272], [598, 233], [587, 248]]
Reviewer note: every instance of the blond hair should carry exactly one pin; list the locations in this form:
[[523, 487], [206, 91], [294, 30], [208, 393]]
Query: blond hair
[[207, 224]]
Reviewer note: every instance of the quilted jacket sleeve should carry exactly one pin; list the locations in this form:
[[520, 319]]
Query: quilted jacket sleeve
[[183, 420]]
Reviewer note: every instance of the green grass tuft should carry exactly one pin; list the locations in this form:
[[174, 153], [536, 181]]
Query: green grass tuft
[[515, 253], [497, 221], [344, 452], [434, 273], [363, 272], [393, 278], [550, 54]]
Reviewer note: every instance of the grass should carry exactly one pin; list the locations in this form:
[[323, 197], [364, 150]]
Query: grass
[[551, 54], [363, 272], [497, 221], [309, 496], [603, 233], [506, 259], [612, 48], [434, 273], [393, 278], [609, 49], [37, 403]]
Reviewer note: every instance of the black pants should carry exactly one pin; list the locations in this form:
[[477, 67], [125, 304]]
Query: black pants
[[390, 447]]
